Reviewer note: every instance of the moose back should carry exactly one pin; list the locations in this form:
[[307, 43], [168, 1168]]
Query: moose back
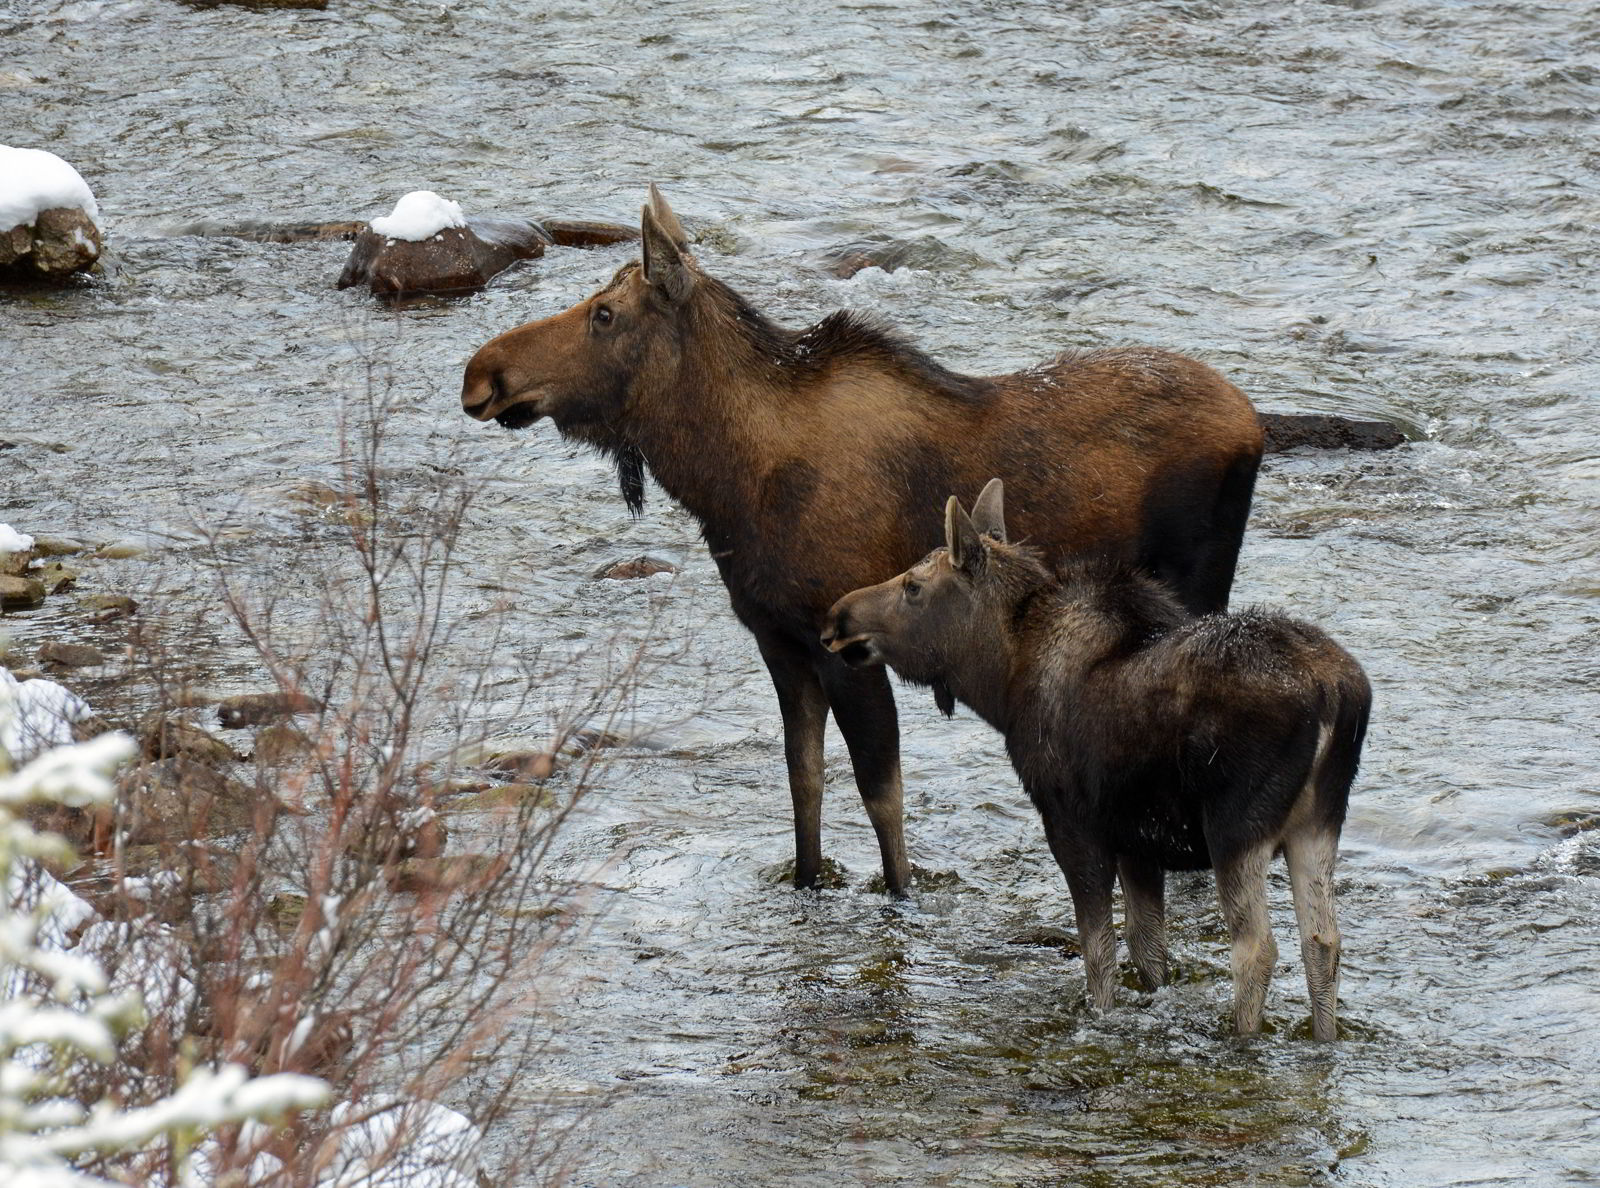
[[815, 461]]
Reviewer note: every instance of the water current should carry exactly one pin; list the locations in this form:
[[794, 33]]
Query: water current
[[1368, 207]]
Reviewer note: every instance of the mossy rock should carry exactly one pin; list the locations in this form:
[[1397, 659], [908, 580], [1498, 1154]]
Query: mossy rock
[[503, 798]]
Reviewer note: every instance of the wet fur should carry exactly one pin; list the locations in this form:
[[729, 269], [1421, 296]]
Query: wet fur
[[1149, 739], [815, 460]]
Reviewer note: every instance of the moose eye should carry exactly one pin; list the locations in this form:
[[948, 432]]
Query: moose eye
[[602, 315], [913, 589]]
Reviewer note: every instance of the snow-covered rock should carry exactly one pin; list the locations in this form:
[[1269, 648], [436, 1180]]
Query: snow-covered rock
[[49, 220], [387, 1143], [37, 715], [419, 215]]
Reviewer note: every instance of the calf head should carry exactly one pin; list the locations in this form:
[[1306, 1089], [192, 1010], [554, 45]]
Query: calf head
[[921, 621], [582, 367]]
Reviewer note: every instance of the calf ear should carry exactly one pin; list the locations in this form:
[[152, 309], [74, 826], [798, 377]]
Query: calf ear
[[668, 220], [960, 537], [665, 266], [989, 513]]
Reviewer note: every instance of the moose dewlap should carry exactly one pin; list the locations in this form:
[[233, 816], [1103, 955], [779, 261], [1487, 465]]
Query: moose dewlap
[[1149, 738]]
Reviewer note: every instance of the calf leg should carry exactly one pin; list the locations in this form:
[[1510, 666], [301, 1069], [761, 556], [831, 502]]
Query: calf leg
[[1143, 901], [1091, 874], [863, 706], [1311, 853], [1242, 887], [805, 715]]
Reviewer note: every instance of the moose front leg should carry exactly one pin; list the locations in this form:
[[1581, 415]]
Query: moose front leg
[[863, 706], [1144, 909], [1091, 872], [804, 707]]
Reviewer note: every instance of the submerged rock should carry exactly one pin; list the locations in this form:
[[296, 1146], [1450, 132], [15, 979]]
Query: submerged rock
[[1288, 431], [70, 655], [57, 245], [638, 567]]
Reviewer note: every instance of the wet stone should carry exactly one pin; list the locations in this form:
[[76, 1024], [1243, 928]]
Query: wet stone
[[54, 576], [179, 799], [61, 243], [251, 709], [69, 655], [1289, 431], [161, 738], [19, 593], [523, 765], [120, 550], [57, 546], [108, 607], [638, 567], [16, 562], [454, 262], [503, 797]]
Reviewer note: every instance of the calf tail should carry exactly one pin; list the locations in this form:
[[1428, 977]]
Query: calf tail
[[1351, 706]]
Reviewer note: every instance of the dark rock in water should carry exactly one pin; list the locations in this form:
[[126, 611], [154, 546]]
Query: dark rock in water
[[61, 243], [55, 577], [461, 260], [319, 4], [68, 655], [464, 872], [638, 567], [18, 593], [15, 562], [250, 709], [452, 262], [1288, 431]]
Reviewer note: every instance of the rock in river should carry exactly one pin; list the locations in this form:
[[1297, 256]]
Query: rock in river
[[428, 247], [48, 230]]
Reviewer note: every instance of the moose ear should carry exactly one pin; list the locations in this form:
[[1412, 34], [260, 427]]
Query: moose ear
[[665, 266], [668, 220], [960, 537], [989, 513]]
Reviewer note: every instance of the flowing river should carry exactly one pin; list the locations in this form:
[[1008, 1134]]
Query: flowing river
[[1381, 208]]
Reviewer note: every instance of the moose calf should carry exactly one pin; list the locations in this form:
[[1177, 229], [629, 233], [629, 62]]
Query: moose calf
[[1149, 739]]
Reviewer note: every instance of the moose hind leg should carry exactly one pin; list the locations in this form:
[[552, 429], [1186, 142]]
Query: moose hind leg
[[805, 717], [863, 706], [1144, 908], [1242, 888], [1311, 853]]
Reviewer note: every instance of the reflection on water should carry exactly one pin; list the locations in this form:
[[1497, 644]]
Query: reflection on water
[[1380, 208]]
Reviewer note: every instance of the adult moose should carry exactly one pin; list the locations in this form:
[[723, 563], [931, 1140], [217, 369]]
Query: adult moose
[[1149, 739], [814, 461]]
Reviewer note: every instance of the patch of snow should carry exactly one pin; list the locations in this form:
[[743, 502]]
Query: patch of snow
[[12, 541], [387, 1143], [41, 714], [418, 216], [33, 180]]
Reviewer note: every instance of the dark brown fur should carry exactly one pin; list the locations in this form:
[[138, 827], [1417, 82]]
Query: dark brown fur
[[813, 460], [1148, 738]]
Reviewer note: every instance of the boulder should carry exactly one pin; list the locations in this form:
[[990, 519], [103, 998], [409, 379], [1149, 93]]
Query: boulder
[[19, 593], [70, 655], [173, 800], [638, 567], [1288, 431], [58, 244], [426, 247], [250, 709], [453, 262], [161, 737]]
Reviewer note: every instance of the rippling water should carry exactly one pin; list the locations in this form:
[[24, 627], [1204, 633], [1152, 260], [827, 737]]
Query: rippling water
[[1373, 207]]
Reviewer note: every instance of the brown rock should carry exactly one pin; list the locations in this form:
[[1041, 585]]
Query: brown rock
[[583, 233], [463, 872], [69, 655], [108, 607], [19, 593], [161, 737], [57, 546], [15, 564], [523, 765], [1288, 431], [281, 744], [60, 243], [510, 797], [179, 799], [455, 262], [639, 567], [250, 709], [54, 577]]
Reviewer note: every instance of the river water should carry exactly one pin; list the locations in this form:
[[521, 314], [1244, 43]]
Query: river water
[[1379, 207]]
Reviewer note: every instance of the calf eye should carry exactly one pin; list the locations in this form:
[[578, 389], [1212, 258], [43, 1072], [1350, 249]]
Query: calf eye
[[602, 315], [913, 589]]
